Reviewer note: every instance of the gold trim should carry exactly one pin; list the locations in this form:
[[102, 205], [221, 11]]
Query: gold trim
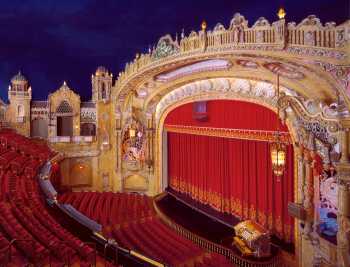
[[146, 259], [100, 236], [257, 135]]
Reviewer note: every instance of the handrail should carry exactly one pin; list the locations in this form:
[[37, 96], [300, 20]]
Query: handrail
[[146, 259], [213, 247]]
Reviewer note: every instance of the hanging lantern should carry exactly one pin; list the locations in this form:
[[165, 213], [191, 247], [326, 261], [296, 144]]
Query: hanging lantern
[[278, 148], [278, 158]]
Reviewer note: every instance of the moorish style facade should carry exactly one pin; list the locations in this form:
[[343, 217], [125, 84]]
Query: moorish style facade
[[117, 141]]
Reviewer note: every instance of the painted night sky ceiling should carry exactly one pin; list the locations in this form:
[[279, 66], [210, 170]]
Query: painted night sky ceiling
[[52, 41]]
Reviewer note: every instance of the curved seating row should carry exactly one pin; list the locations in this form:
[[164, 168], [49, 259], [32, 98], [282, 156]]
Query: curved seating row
[[131, 219]]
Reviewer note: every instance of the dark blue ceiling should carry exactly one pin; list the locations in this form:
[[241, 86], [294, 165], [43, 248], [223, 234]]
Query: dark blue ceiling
[[51, 41]]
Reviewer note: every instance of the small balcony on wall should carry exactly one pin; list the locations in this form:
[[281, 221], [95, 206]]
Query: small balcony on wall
[[21, 119], [72, 139]]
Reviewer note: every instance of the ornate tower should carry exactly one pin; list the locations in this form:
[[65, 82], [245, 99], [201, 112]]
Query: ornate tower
[[101, 85], [101, 95], [20, 96]]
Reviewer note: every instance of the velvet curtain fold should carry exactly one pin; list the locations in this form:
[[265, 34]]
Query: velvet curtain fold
[[233, 176], [228, 114]]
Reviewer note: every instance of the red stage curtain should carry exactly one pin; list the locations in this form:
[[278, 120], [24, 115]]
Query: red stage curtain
[[233, 176], [228, 114]]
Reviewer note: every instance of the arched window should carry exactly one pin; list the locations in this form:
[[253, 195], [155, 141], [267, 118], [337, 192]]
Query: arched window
[[64, 113], [64, 108], [103, 91]]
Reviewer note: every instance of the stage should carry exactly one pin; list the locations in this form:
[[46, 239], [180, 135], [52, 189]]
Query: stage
[[206, 222]]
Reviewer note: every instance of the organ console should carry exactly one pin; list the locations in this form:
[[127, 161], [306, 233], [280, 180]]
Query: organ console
[[252, 239]]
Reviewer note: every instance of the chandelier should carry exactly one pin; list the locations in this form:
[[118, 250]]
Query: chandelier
[[278, 148]]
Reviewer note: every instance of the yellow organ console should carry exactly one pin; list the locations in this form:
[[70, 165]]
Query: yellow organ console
[[252, 239]]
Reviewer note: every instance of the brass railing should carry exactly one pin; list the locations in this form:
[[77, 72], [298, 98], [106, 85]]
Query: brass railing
[[276, 261]]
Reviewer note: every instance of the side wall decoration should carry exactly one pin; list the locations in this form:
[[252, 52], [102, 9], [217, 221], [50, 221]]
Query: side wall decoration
[[134, 146]]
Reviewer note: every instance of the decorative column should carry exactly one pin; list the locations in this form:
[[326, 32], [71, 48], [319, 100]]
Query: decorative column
[[118, 151], [308, 194], [344, 144], [301, 173], [149, 138], [299, 153]]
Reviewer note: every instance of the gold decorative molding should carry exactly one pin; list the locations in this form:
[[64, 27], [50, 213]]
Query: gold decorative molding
[[256, 135], [262, 40]]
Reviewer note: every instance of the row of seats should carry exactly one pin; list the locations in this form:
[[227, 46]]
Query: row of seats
[[131, 219], [33, 149], [104, 207], [24, 216]]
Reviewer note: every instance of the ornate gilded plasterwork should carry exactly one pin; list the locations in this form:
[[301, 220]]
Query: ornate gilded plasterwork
[[64, 94], [133, 147], [166, 47], [201, 66], [222, 88], [328, 41]]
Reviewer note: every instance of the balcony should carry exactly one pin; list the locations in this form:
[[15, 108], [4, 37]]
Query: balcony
[[72, 139], [21, 119]]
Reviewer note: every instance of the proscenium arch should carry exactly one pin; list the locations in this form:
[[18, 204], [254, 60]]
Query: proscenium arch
[[159, 182]]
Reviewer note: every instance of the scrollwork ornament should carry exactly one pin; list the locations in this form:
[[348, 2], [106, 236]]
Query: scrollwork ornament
[[316, 123], [166, 47]]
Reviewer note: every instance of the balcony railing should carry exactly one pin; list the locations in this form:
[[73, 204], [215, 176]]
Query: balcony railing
[[21, 119], [72, 139]]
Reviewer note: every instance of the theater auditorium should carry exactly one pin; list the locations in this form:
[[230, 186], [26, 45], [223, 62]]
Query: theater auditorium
[[221, 147]]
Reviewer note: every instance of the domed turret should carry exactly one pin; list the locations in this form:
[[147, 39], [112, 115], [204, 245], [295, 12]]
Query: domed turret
[[19, 95], [19, 78], [101, 71], [19, 82]]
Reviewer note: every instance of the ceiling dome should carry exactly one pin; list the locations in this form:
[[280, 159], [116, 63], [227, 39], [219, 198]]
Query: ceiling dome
[[19, 78], [101, 70]]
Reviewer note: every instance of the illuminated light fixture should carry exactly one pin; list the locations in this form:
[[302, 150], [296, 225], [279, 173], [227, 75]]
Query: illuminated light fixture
[[132, 132], [204, 25], [278, 148], [278, 157], [281, 13]]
